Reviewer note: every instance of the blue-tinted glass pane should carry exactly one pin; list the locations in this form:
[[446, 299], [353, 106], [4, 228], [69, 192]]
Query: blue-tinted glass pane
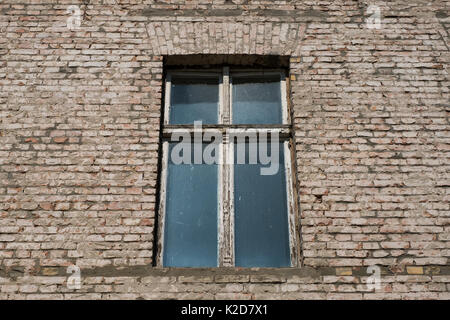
[[261, 216], [257, 101], [190, 236], [194, 100]]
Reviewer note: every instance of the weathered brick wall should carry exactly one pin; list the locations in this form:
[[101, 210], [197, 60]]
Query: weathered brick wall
[[79, 132]]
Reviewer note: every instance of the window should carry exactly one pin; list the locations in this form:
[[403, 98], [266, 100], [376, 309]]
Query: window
[[227, 194]]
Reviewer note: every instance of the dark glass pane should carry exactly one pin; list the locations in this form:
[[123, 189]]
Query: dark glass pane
[[257, 100], [194, 100], [261, 216], [190, 236]]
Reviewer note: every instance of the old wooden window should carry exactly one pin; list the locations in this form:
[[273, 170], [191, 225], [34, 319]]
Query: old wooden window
[[227, 213]]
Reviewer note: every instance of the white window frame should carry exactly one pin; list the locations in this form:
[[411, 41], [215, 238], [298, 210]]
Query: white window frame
[[225, 192]]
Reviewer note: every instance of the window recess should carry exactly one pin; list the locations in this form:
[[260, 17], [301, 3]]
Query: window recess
[[227, 213]]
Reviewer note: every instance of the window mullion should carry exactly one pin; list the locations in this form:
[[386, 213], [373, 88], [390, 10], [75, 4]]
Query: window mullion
[[226, 245], [226, 96], [230, 166], [221, 189], [226, 237]]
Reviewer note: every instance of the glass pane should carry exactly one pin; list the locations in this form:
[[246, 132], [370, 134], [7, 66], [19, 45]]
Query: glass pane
[[190, 236], [261, 216], [257, 100], [194, 100]]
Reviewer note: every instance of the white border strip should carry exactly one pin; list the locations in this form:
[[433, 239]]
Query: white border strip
[[162, 204]]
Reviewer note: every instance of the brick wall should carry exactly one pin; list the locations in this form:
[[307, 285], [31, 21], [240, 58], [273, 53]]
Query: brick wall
[[79, 132]]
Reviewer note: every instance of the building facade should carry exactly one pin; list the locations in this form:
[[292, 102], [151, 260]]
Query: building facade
[[82, 87]]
